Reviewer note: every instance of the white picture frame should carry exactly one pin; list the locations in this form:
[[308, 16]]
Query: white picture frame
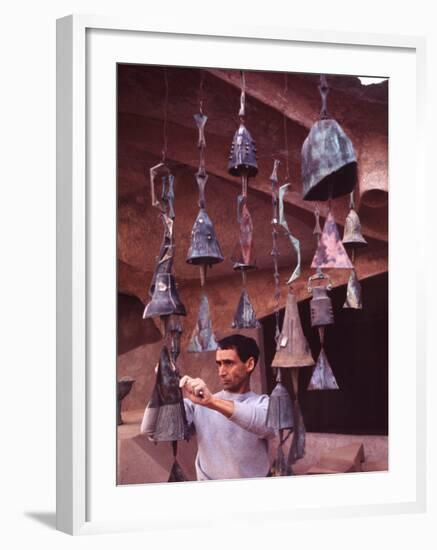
[[79, 421]]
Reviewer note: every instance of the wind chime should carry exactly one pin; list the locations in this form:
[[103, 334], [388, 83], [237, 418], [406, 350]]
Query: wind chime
[[243, 163], [204, 250], [292, 349], [164, 417], [329, 169], [353, 239]]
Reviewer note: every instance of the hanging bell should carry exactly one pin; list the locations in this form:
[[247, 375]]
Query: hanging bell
[[165, 299], [164, 261], [204, 248], [323, 378], [280, 409], [292, 349], [353, 293], [329, 163], [171, 422], [203, 338], [297, 447], [242, 156], [245, 314], [243, 256], [330, 251], [320, 304], [352, 236]]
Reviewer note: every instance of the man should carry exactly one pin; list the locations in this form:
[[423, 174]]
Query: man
[[230, 425]]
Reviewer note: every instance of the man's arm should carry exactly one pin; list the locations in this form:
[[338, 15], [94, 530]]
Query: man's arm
[[250, 416]]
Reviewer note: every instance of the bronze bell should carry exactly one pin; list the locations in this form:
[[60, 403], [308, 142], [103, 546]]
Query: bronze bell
[[204, 248], [242, 157], [322, 378], [330, 251], [320, 304], [165, 299], [280, 409], [171, 423], [292, 349], [352, 236], [353, 293], [202, 338], [245, 315], [329, 163]]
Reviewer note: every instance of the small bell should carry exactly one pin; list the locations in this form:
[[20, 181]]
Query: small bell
[[203, 338], [323, 378], [165, 299], [171, 423], [280, 410], [245, 314], [330, 251], [352, 236], [243, 256], [292, 349], [320, 304], [204, 248], [353, 293], [242, 156]]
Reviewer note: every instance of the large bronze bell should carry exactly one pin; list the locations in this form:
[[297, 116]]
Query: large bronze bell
[[320, 304], [329, 163], [242, 157], [204, 248], [292, 349], [330, 251], [165, 299], [245, 315], [352, 236]]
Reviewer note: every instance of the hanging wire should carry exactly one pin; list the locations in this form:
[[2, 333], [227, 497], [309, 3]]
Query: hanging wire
[[287, 165], [164, 151]]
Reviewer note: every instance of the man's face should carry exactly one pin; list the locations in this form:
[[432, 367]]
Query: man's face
[[233, 373]]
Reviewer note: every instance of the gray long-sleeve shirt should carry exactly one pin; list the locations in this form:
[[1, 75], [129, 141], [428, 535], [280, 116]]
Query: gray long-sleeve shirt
[[235, 447]]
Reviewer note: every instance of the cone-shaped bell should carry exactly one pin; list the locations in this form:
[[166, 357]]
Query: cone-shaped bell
[[203, 338], [245, 314], [323, 377], [171, 423], [165, 299], [204, 248], [293, 349], [329, 163], [352, 236], [330, 252], [242, 157], [353, 293], [243, 255], [297, 447], [280, 410]]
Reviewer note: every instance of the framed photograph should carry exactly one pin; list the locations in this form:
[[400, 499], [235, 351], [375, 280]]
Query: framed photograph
[[233, 214]]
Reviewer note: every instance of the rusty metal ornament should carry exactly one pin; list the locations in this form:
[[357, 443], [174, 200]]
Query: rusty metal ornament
[[165, 299], [294, 242], [204, 248], [242, 157], [352, 236], [328, 159], [322, 378], [124, 386], [320, 304], [292, 349], [202, 338], [353, 293], [330, 251], [243, 256], [245, 315], [171, 422]]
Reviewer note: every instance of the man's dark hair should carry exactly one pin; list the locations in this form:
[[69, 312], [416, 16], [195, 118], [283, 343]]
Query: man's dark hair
[[245, 346]]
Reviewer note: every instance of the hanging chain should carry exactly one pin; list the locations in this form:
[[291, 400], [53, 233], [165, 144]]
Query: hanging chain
[[324, 91], [287, 166], [242, 112], [164, 150]]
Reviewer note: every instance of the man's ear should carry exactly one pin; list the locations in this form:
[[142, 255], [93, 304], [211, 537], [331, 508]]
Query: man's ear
[[250, 364]]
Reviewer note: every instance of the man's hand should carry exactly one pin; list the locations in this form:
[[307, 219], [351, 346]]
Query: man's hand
[[196, 390]]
